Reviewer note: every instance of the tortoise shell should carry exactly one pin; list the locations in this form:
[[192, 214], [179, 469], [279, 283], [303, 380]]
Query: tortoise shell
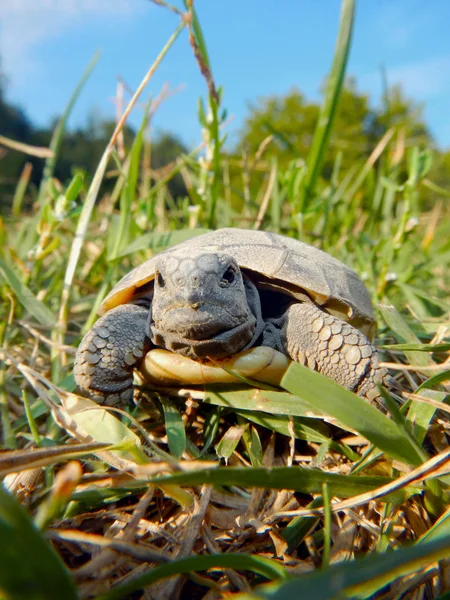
[[273, 262]]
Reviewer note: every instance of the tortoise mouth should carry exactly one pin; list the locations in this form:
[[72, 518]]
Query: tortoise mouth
[[223, 343], [198, 322]]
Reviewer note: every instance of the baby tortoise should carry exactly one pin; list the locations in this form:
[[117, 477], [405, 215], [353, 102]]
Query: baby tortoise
[[219, 295]]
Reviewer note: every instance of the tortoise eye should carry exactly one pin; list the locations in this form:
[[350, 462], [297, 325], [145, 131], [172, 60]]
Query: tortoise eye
[[161, 281], [229, 277]]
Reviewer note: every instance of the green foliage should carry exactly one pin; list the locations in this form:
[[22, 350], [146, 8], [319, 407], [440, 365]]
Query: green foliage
[[80, 151], [305, 480], [358, 580], [30, 569], [325, 395], [357, 129]]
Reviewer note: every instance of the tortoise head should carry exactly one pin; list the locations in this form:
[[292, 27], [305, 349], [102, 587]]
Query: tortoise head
[[200, 305]]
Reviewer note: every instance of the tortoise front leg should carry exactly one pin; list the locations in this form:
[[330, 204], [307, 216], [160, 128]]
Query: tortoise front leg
[[336, 349], [109, 352]]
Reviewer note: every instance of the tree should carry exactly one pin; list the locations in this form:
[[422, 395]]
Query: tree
[[290, 119], [357, 128], [14, 124], [166, 148], [403, 113], [81, 149]]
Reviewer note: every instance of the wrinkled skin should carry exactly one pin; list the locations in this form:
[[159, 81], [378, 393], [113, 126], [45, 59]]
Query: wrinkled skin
[[200, 307], [203, 306]]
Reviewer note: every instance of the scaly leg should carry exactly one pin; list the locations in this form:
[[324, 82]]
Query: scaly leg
[[336, 349], [109, 352]]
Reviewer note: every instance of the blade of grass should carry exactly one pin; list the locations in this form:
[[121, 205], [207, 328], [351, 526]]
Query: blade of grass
[[328, 110], [246, 562], [129, 190], [296, 531], [301, 479], [21, 189], [443, 347], [435, 380], [352, 577], [26, 297], [419, 413], [57, 137], [176, 434], [30, 569], [253, 446], [325, 395], [275, 403], [91, 197], [38, 151], [18, 460], [326, 527], [229, 441]]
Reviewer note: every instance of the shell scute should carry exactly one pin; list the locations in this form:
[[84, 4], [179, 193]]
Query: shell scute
[[274, 262]]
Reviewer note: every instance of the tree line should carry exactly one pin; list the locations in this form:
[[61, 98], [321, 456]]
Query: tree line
[[286, 121]]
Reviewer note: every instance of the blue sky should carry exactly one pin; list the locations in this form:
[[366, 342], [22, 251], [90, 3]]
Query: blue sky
[[257, 48]]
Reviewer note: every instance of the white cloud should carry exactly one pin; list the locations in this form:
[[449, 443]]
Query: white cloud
[[424, 79], [26, 23], [68, 8]]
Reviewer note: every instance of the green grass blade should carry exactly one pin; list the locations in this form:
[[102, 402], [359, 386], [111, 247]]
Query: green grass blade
[[326, 527], [302, 429], [295, 532], [434, 380], [21, 187], [244, 562], [443, 347], [440, 529], [26, 297], [401, 330], [30, 569], [229, 441], [74, 188], [58, 134], [200, 38], [129, 190], [301, 479], [254, 447], [176, 434], [420, 414], [274, 403], [328, 397], [330, 104], [351, 578]]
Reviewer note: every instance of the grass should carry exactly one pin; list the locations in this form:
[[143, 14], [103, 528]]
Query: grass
[[225, 491]]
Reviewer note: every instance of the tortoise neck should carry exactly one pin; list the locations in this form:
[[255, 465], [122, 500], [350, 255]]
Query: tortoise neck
[[254, 307]]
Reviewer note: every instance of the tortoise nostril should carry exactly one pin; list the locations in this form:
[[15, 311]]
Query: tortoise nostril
[[161, 280], [228, 278]]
